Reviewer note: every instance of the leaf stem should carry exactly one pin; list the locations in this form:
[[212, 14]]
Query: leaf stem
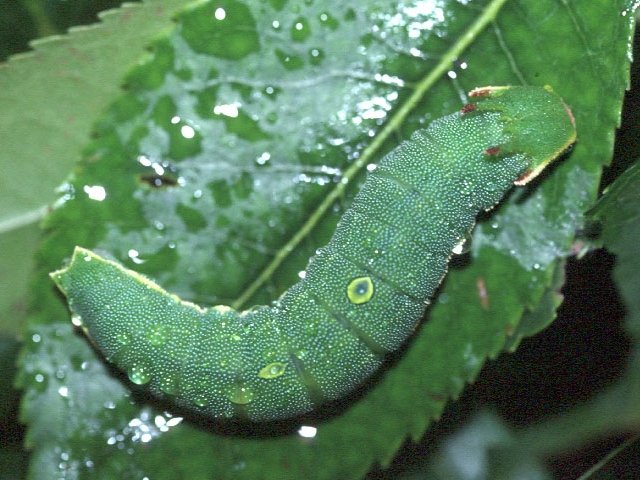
[[488, 15], [608, 457], [23, 219]]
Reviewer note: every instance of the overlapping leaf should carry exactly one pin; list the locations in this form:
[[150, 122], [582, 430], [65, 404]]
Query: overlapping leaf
[[619, 213], [50, 98]]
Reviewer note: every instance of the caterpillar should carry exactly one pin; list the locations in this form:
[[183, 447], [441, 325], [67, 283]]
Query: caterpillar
[[363, 294]]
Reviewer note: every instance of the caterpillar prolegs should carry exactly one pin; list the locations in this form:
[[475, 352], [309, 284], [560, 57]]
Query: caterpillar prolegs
[[363, 293]]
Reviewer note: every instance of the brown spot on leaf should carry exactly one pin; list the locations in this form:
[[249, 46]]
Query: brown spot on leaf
[[158, 181], [483, 295], [570, 113], [509, 330]]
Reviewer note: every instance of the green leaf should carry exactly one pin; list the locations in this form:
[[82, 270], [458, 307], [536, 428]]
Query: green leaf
[[489, 450], [50, 97], [540, 317], [618, 211], [13, 459], [17, 247], [613, 410], [217, 157]]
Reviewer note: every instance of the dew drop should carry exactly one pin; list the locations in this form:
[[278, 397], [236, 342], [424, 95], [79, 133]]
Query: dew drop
[[241, 394], [273, 370], [158, 335], [200, 400], [326, 20], [187, 131], [123, 338], [307, 431], [464, 245], [300, 30], [311, 328], [289, 61], [271, 117], [77, 361], [172, 422], [169, 385], [239, 466], [263, 158], [95, 192], [316, 56], [42, 381], [139, 374]]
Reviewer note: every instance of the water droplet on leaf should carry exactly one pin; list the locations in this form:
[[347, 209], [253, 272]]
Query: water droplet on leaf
[[241, 394], [200, 400], [123, 338], [139, 374], [158, 335], [300, 30], [169, 385], [273, 370]]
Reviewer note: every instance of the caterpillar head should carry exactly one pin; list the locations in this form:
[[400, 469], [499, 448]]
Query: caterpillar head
[[533, 122]]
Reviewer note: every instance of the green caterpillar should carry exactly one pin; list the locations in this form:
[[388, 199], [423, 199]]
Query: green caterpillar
[[363, 293]]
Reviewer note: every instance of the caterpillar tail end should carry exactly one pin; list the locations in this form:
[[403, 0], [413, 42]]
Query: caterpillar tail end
[[60, 276]]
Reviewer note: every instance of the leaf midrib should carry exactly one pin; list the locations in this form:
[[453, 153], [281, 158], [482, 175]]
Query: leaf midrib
[[455, 51]]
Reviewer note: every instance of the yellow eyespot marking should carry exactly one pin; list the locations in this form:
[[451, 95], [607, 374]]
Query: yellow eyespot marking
[[273, 370], [360, 290]]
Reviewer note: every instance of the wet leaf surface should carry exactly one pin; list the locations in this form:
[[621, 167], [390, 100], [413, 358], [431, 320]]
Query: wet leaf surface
[[217, 154]]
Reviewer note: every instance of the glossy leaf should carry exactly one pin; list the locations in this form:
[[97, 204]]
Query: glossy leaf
[[50, 98], [618, 213], [220, 152]]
